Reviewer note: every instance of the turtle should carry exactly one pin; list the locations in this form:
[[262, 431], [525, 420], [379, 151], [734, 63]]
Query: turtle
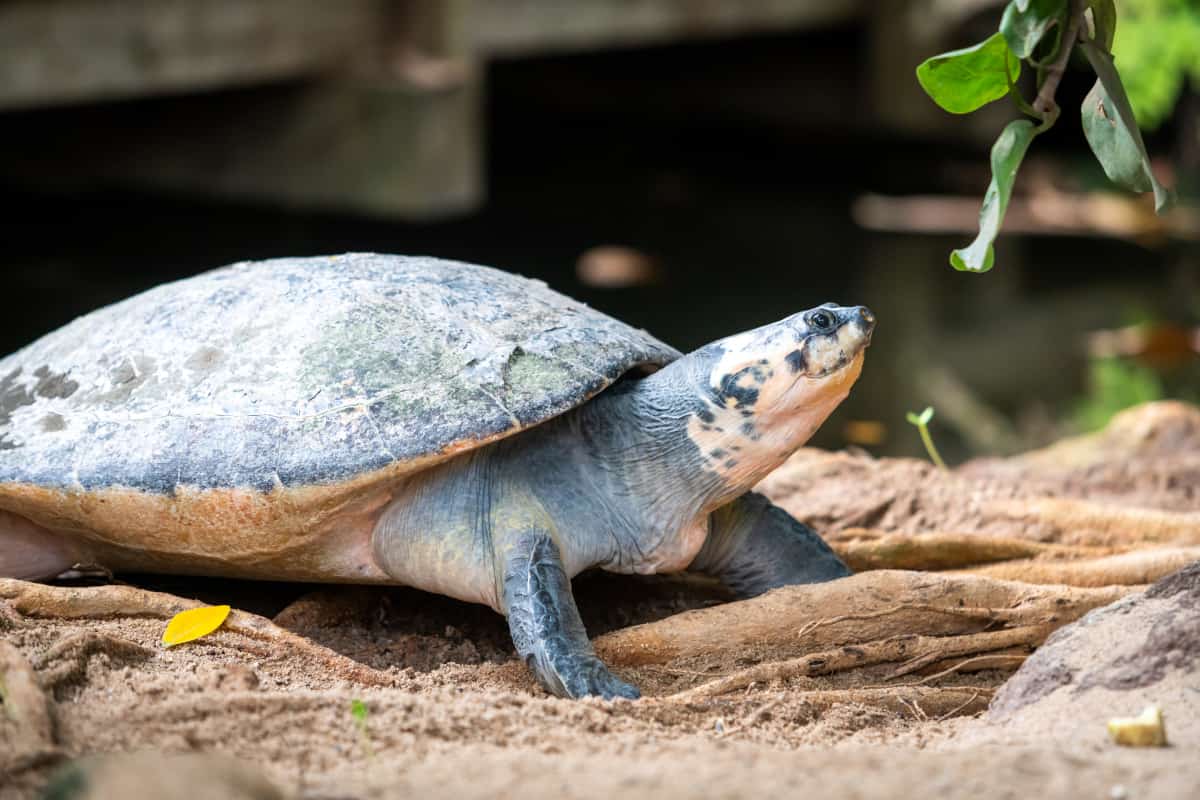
[[385, 419]]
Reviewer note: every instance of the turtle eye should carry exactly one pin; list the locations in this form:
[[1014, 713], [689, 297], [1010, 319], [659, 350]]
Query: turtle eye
[[821, 320]]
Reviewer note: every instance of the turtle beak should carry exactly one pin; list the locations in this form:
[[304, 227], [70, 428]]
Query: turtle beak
[[865, 319], [830, 337], [860, 318]]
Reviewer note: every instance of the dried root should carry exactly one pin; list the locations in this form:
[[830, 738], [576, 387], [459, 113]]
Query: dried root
[[914, 702], [1117, 563], [98, 602], [1083, 522], [1127, 569], [870, 608], [1008, 659], [912, 652], [865, 549], [930, 623]]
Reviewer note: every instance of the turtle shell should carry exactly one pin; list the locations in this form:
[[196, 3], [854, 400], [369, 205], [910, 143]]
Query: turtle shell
[[302, 371]]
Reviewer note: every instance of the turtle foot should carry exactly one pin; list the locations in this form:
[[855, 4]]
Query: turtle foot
[[587, 676], [545, 624]]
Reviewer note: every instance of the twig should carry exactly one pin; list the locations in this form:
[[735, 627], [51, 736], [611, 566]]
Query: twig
[[1029, 635], [957, 709], [986, 657], [1044, 102], [916, 709]]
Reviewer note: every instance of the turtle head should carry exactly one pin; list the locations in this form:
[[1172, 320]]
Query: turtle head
[[804, 352], [764, 392]]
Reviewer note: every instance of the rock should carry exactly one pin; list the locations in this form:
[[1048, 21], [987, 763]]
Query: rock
[[1141, 650]]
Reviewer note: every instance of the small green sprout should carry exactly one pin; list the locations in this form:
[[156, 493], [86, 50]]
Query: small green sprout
[[358, 710], [922, 423]]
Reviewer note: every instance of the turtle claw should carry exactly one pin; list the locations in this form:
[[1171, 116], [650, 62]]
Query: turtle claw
[[589, 677]]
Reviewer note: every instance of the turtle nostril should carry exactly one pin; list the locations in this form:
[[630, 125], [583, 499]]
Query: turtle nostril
[[865, 315]]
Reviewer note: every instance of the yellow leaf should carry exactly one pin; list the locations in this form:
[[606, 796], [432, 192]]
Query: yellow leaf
[[194, 623]]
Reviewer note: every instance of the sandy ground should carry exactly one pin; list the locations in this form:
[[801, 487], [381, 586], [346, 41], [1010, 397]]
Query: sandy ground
[[464, 719]]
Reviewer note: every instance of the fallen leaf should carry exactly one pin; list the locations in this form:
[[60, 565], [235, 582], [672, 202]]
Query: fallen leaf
[[194, 623]]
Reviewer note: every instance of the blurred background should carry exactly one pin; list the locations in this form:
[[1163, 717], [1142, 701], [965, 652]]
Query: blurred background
[[694, 167]]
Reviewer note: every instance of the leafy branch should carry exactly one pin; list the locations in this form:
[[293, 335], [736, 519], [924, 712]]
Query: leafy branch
[[962, 81]]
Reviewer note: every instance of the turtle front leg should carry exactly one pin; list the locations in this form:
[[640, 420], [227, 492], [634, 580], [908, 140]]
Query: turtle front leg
[[754, 545], [545, 623]]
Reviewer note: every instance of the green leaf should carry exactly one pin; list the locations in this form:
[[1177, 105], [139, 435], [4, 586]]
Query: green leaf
[[1116, 150], [963, 80], [1007, 153], [922, 419], [1104, 22], [1112, 131], [1024, 24]]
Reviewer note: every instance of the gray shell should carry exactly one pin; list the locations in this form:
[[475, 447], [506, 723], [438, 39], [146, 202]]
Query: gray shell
[[293, 372]]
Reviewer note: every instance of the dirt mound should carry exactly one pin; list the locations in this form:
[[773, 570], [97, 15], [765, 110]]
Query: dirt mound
[[1147, 458]]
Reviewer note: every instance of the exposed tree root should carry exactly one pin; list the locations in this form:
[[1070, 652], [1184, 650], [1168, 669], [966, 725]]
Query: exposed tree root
[[865, 549], [26, 723], [917, 702], [1126, 563], [911, 652], [98, 602], [1139, 567], [1083, 522], [938, 649], [868, 608], [1007, 659]]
